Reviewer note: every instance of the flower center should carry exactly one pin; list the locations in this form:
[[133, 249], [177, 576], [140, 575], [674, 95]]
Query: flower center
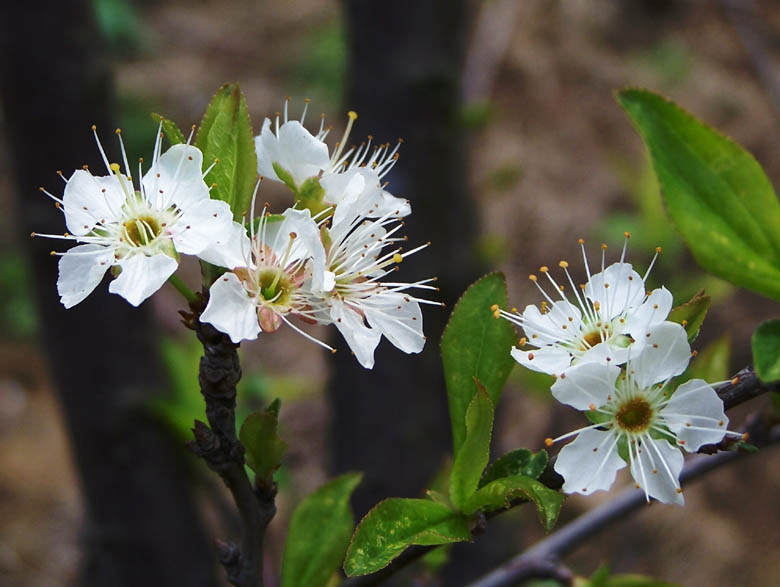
[[635, 415], [275, 286], [142, 230]]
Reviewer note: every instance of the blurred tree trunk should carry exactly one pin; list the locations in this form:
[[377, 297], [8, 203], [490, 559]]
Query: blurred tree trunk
[[142, 527], [404, 66]]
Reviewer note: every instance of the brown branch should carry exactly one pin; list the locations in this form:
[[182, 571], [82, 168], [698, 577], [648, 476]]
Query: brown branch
[[218, 445], [743, 387]]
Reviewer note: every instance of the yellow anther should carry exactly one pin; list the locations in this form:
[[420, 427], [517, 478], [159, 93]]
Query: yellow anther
[[114, 167], [735, 381], [118, 131], [592, 406], [494, 307], [398, 257], [658, 249], [580, 241], [94, 127], [627, 234], [352, 115], [563, 264], [514, 310], [496, 314], [293, 235], [522, 342], [543, 269], [603, 246], [532, 277], [548, 442], [745, 436]]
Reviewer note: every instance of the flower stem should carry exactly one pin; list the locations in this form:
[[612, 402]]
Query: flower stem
[[182, 288]]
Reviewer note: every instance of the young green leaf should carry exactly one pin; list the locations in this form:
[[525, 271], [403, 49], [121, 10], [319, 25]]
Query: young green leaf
[[395, 524], [225, 135], [475, 344], [766, 351], [319, 534], [264, 448], [499, 493], [716, 193], [474, 453], [691, 314], [170, 129], [520, 461], [712, 362]]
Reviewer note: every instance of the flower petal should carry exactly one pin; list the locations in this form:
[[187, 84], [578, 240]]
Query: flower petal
[[652, 311], [586, 384], [360, 338], [695, 414], [398, 317], [231, 310], [176, 178], [231, 250], [666, 353], [550, 359], [307, 243], [656, 469], [561, 323], [296, 150], [202, 225], [589, 463], [616, 289], [141, 276], [88, 200], [80, 271]]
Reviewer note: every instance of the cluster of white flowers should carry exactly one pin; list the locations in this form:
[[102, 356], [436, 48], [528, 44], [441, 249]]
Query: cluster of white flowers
[[325, 260], [614, 354]]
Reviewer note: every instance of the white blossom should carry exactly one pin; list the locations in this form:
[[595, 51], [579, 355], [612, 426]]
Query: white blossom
[[609, 317], [139, 234], [289, 153], [284, 261], [637, 414]]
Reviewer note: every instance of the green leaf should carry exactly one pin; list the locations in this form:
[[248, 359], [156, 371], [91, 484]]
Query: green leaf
[[716, 194], [520, 461], [264, 447], [395, 524], [766, 351], [319, 534], [499, 493], [474, 453], [691, 314], [712, 363], [225, 134], [170, 129], [475, 344]]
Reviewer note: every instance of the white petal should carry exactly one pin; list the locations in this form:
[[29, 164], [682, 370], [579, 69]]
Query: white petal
[[666, 353], [141, 276], [586, 384], [85, 203], [693, 406], [296, 150], [306, 245], [399, 318], [231, 310], [205, 223], [360, 338], [616, 289], [80, 271], [551, 359], [606, 353], [329, 281], [229, 251], [346, 187], [590, 462], [652, 311], [180, 178], [656, 469], [561, 323]]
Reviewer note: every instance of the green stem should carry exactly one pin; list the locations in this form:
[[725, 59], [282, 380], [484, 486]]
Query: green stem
[[182, 288]]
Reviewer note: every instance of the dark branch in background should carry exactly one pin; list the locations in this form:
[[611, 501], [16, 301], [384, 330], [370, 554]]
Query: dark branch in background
[[743, 387], [218, 445], [743, 16]]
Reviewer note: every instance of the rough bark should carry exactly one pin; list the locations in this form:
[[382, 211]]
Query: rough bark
[[142, 527]]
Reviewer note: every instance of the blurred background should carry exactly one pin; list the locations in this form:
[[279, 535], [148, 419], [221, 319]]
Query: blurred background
[[513, 149]]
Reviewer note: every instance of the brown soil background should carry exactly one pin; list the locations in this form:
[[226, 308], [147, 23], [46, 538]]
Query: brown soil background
[[546, 166]]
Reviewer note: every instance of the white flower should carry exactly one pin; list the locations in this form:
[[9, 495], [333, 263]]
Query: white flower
[[291, 154], [636, 415], [140, 233], [362, 306], [285, 260], [611, 314]]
